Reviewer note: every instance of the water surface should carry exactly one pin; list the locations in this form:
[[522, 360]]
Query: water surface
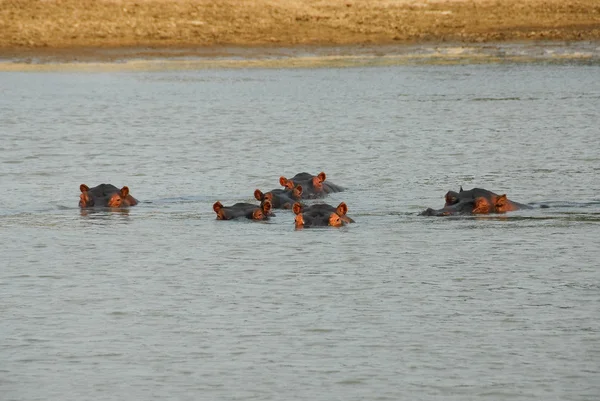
[[164, 302]]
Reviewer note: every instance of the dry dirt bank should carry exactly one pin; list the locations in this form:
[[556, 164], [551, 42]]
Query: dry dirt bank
[[70, 27]]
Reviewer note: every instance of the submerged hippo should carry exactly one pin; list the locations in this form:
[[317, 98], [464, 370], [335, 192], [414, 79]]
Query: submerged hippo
[[323, 208], [105, 195], [475, 201], [313, 186], [321, 215], [247, 210], [280, 198]]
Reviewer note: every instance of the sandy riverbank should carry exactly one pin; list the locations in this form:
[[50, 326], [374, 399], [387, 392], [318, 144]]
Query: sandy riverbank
[[103, 30]]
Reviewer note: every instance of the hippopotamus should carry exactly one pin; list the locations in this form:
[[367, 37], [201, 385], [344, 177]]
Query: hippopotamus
[[323, 208], [280, 198], [321, 215], [247, 210], [313, 186], [318, 220], [105, 195], [475, 201]]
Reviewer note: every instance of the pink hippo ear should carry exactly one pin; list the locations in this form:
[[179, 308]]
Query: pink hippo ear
[[322, 176], [317, 183], [342, 209], [299, 221], [501, 200], [297, 192], [84, 199], [284, 182], [501, 203], [297, 208], [266, 207], [217, 206], [124, 192], [258, 195]]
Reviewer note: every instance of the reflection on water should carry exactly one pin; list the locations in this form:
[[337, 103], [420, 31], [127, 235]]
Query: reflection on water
[[163, 301]]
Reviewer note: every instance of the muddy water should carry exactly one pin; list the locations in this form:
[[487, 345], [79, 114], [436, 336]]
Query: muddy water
[[163, 301]]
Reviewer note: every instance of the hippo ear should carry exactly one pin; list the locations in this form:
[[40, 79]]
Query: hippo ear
[[322, 176], [266, 206], [217, 206], [298, 191], [342, 209], [460, 189], [258, 195], [283, 181], [297, 208], [84, 188], [501, 201], [124, 192], [299, 221], [317, 183]]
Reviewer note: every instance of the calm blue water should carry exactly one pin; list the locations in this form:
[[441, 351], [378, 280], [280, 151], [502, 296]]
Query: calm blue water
[[164, 302]]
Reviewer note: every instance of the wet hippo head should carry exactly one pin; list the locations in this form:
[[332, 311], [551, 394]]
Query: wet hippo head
[[311, 185], [247, 210], [306, 220], [461, 207], [322, 208], [105, 195], [280, 198], [474, 201]]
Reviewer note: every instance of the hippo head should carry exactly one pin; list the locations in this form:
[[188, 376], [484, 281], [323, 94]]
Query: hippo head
[[105, 195], [305, 220], [471, 202], [340, 210], [253, 212], [315, 182]]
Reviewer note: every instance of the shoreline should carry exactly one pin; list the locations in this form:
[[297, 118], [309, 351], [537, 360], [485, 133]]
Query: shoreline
[[144, 59], [62, 31]]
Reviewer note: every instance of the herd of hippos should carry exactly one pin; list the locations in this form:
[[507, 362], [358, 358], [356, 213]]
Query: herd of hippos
[[302, 187]]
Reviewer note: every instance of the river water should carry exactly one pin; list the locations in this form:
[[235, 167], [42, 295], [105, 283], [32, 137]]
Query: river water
[[162, 301]]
